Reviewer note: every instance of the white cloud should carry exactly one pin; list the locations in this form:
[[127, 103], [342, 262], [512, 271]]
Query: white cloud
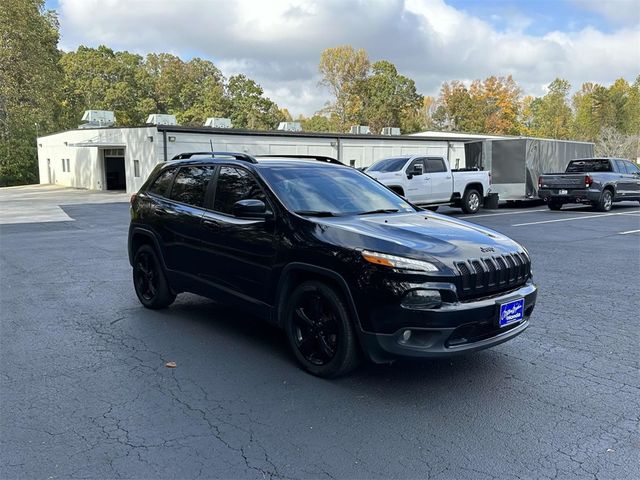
[[278, 43], [620, 11]]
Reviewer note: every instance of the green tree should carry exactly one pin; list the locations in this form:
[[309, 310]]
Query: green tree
[[192, 91], [460, 110], [249, 108], [343, 70], [320, 123], [101, 79], [551, 115], [390, 99], [29, 78]]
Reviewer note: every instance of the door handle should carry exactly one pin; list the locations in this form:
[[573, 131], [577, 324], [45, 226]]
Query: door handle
[[207, 222], [448, 178], [160, 211]]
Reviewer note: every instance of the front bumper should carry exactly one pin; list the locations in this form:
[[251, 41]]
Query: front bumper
[[578, 195], [457, 328]]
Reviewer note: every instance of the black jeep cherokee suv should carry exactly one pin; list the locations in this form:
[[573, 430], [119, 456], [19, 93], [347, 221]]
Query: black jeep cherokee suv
[[345, 266]]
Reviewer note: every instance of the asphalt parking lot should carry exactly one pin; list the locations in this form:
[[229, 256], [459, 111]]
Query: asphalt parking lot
[[84, 391]]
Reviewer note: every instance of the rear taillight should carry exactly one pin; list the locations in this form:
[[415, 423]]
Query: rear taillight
[[588, 181], [490, 182], [133, 198], [539, 182]]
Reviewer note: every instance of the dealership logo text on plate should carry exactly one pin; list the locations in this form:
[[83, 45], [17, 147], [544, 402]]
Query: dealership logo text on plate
[[511, 313]]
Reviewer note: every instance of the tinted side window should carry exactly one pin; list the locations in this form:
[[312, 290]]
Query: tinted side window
[[632, 167], [417, 161], [435, 165], [162, 184], [190, 185], [235, 184], [620, 166]]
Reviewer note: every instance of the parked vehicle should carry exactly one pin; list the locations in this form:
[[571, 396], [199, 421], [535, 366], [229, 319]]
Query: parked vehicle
[[345, 266], [516, 163], [598, 181], [430, 182]]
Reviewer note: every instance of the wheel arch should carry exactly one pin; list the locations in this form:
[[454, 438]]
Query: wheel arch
[[611, 187], [474, 186], [141, 236], [295, 273]]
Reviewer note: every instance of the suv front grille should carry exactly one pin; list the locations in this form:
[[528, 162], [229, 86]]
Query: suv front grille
[[479, 277]]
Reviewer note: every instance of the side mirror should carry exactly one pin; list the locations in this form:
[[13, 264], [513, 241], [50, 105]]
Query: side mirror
[[418, 169], [250, 208]]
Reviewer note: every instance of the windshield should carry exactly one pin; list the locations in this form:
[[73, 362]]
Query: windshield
[[579, 166], [312, 190], [388, 165]]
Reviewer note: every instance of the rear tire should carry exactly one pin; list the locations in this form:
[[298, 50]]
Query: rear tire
[[553, 205], [471, 201], [605, 202], [320, 331], [149, 279]]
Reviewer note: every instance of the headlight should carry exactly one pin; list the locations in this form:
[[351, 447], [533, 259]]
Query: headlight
[[398, 262]]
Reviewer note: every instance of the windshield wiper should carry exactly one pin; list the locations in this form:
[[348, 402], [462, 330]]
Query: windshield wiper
[[315, 213], [380, 210]]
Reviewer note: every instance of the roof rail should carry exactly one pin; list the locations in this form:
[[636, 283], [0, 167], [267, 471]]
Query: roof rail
[[320, 158], [237, 156]]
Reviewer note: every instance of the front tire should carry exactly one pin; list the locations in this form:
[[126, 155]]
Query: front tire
[[471, 201], [606, 201], [320, 331], [150, 281]]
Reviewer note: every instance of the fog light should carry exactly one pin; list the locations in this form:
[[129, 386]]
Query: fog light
[[422, 299], [406, 335]]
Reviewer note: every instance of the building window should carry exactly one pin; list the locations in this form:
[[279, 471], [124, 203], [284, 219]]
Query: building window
[[352, 163], [114, 152], [136, 168], [64, 165], [68, 165]]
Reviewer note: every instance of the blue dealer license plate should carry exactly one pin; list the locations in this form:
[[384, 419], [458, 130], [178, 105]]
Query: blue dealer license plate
[[511, 312]]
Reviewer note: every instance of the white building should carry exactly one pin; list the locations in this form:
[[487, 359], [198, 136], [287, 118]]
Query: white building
[[121, 158]]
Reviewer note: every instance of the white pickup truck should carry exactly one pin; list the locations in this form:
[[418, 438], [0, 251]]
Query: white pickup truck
[[429, 182]]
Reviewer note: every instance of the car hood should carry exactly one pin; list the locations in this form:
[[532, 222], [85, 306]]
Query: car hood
[[422, 235]]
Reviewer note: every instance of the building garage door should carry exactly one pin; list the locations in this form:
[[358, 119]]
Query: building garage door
[[114, 171]]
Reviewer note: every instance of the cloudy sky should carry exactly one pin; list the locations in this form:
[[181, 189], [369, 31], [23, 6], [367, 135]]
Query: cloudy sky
[[278, 42]]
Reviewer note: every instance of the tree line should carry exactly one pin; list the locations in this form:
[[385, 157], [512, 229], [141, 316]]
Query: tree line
[[43, 90], [377, 95]]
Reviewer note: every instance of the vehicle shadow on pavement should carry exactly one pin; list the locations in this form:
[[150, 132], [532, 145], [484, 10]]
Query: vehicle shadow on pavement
[[254, 337]]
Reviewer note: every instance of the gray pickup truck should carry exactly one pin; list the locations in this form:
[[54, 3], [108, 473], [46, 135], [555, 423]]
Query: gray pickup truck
[[598, 181]]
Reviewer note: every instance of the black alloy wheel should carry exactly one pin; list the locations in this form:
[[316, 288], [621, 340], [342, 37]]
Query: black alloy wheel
[[149, 280], [319, 330]]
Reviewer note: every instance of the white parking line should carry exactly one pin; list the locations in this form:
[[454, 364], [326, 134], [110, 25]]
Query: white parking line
[[573, 218], [503, 213], [630, 231]]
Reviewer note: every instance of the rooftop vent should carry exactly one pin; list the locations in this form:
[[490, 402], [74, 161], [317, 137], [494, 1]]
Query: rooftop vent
[[97, 118], [161, 119], [360, 130], [290, 126], [216, 122], [390, 131]]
